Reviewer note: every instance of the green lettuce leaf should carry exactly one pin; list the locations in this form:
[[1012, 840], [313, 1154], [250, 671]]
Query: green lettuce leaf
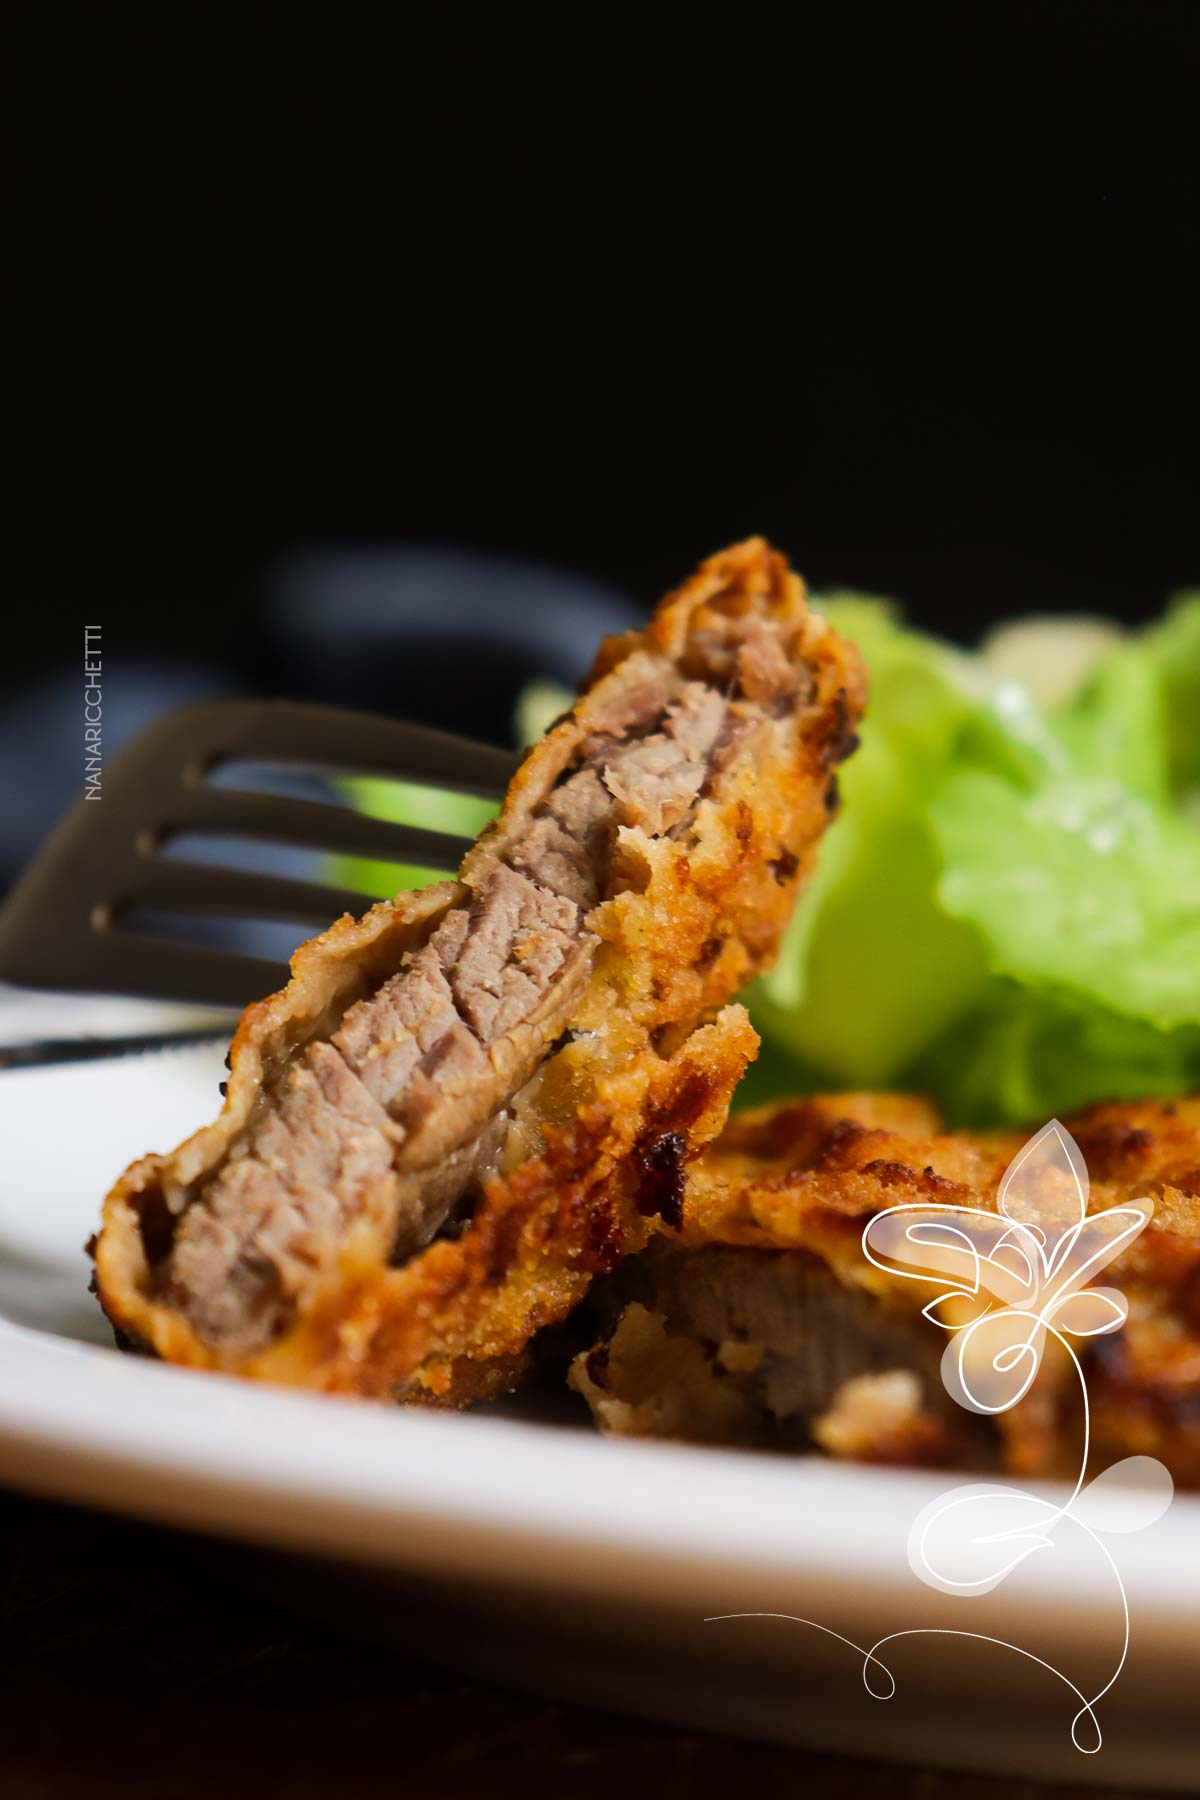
[[1174, 645], [1007, 911], [1080, 885], [1025, 1056]]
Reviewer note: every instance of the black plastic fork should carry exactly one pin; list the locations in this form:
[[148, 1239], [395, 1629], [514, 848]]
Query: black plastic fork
[[72, 919]]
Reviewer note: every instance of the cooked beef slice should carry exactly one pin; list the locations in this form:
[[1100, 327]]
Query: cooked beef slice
[[482, 973], [656, 782], [738, 1345], [414, 1080], [269, 1213], [813, 1333]]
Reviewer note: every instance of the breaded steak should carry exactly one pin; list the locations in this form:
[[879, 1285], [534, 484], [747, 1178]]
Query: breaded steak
[[467, 1103], [761, 1321]]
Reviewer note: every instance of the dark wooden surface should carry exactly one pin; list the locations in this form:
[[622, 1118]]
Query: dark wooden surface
[[140, 1663]]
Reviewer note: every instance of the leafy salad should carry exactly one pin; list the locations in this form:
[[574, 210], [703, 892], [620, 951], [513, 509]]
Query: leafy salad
[[1006, 913]]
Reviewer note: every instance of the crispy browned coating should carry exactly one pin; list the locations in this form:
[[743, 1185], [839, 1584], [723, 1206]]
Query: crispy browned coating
[[645, 1083], [787, 1191]]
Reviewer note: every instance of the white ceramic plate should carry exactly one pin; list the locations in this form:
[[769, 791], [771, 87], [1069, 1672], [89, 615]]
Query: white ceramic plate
[[550, 1556]]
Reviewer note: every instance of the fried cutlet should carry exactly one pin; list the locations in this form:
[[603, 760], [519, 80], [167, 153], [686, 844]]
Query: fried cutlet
[[466, 1104], [761, 1321]]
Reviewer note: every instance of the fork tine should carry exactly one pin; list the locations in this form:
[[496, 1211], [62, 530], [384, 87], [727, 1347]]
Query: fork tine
[[113, 960], [173, 969], [272, 729], [311, 822], [187, 887], [66, 923]]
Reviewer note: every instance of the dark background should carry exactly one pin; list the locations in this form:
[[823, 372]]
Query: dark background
[[913, 291]]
